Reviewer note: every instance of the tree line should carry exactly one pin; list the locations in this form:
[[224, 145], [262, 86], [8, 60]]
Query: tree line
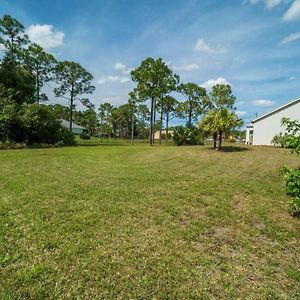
[[26, 67]]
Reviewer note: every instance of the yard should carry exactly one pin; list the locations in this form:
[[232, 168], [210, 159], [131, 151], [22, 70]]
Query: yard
[[122, 222]]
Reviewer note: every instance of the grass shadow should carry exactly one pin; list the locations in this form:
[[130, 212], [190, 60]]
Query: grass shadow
[[232, 149]]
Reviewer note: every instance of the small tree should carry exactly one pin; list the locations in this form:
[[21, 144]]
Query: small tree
[[219, 121], [219, 98], [74, 82]]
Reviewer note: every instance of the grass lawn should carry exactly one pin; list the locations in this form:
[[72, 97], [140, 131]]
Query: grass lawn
[[122, 222]]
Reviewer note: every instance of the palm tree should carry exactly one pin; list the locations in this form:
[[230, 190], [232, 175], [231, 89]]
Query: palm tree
[[219, 121]]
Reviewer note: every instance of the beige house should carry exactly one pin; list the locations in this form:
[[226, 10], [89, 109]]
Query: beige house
[[163, 134]]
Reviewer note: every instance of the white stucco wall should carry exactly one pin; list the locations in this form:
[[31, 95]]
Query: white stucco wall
[[266, 128]]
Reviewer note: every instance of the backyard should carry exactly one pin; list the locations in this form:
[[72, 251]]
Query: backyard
[[123, 222]]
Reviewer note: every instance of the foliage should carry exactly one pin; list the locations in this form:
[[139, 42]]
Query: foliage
[[12, 37], [8, 112], [154, 80], [39, 125], [194, 105], [73, 83], [278, 140], [187, 136], [220, 121], [41, 65], [85, 136], [292, 140], [292, 176]]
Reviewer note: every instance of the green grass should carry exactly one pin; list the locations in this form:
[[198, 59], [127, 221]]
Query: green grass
[[122, 222]]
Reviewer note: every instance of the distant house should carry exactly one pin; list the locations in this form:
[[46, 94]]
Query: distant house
[[262, 129], [76, 129], [163, 134]]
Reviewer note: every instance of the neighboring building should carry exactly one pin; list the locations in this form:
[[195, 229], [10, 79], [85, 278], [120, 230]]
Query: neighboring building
[[163, 134], [262, 129], [76, 129]]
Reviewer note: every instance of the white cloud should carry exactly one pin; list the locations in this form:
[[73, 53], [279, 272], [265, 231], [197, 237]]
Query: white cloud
[[269, 3], [203, 46], [121, 67], [293, 12], [272, 3], [210, 83], [109, 79], [2, 48], [263, 103], [241, 113], [186, 67], [45, 35], [291, 38]]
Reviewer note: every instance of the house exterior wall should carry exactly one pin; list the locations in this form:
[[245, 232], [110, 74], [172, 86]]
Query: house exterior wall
[[249, 134], [265, 129]]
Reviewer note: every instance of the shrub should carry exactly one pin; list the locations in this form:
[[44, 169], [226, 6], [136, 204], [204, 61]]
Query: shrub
[[40, 126], [292, 186], [292, 176], [85, 136], [187, 136], [278, 140]]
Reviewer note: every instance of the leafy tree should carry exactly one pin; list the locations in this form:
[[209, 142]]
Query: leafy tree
[[154, 80], [219, 121], [8, 112], [219, 98], [74, 82], [39, 125], [12, 37], [18, 79], [105, 110], [60, 111], [194, 105], [87, 119], [41, 65], [170, 109]]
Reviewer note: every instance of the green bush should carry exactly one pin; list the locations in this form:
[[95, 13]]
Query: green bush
[[292, 176], [40, 126], [278, 140], [187, 136], [292, 185], [85, 136]]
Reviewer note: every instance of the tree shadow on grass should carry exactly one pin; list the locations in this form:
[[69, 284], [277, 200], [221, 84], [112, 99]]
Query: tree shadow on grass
[[232, 149]]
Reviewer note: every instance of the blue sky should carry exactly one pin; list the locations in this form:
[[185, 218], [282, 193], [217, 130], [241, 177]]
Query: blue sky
[[252, 44]]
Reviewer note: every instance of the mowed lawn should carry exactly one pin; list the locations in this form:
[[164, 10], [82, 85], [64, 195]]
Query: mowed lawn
[[122, 222]]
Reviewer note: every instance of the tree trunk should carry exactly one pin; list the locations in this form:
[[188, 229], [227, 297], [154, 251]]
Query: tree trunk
[[161, 120], [220, 141], [132, 125], [151, 123], [154, 120], [190, 115], [215, 135], [37, 89], [167, 127], [71, 108]]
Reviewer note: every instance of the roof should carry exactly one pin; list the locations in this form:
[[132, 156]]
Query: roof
[[66, 123], [291, 103]]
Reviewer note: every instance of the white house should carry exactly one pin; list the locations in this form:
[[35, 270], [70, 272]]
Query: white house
[[262, 129]]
